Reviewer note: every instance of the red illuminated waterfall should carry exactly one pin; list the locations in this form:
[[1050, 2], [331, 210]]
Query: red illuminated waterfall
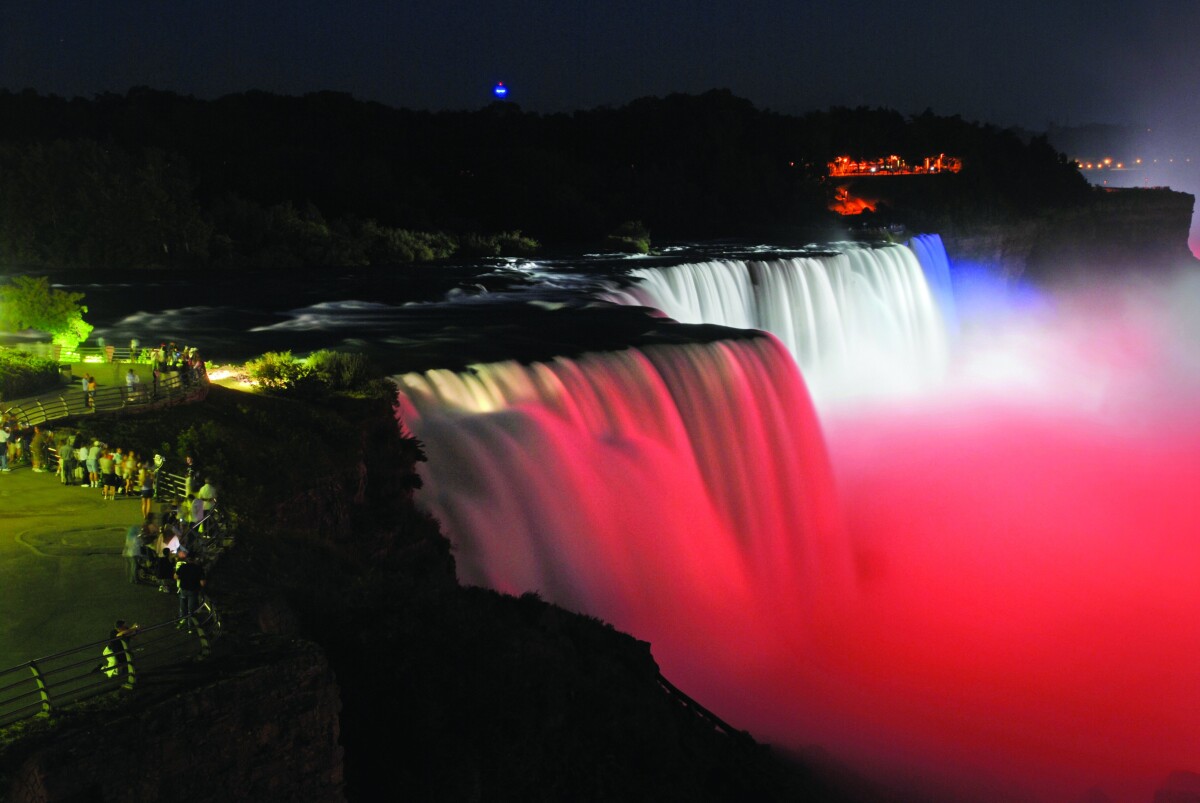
[[994, 593], [662, 488]]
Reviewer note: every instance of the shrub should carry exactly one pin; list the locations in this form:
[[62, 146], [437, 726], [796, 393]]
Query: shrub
[[277, 370], [23, 374], [504, 244], [340, 370], [631, 237], [386, 245], [478, 245], [515, 244]]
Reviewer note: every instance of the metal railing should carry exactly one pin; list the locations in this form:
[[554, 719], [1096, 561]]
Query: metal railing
[[702, 713], [102, 354], [170, 486], [42, 686], [74, 401]]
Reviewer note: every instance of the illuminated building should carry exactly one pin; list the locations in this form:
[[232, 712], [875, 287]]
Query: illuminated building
[[894, 165]]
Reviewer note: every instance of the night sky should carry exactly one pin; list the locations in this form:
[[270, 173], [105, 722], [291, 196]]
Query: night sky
[[1013, 62], [1035, 64]]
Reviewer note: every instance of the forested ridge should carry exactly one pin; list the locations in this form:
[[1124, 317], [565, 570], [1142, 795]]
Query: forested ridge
[[153, 178]]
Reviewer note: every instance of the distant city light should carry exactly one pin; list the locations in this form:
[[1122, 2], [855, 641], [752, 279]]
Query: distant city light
[[893, 166], [500, 90]]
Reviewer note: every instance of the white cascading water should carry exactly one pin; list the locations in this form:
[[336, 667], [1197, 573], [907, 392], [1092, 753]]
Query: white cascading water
[[859, 321]]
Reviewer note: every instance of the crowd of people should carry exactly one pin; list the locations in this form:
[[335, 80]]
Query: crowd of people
[[168, 552], [166, 549], [21, 445], [179, 521], [167, 360]]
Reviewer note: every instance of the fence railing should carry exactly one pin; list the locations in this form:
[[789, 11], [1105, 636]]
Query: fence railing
[[107, 354], [39, 687], [714, 721], [74, 401]]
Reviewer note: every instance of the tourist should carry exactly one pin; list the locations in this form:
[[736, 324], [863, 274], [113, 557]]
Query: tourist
[[157, 469], [132, 385], [126, 471], [37, 449], [89, 390], [195, 510], [17, 444], [107, 477], [81, 456], [4, 436], [208, 497], [146, 485], [170, 531], [190, 576], [115, 655], [93, 465], [66, 460], [118, 456], [132, 551], [191, 475], [164, 569]]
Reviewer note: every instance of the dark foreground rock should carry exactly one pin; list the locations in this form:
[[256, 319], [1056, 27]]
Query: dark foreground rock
[[260, 730]]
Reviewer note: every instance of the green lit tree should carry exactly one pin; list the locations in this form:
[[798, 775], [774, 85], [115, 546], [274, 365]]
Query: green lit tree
[[27, 302]]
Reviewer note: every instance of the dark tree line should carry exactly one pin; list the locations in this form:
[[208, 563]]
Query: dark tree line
[[156, 178]]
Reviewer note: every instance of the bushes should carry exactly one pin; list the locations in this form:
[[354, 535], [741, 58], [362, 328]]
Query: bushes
[[387, 245], [276, 370], [339, 370], [320, 373], [631, 237], [22, 374], [504, 244]]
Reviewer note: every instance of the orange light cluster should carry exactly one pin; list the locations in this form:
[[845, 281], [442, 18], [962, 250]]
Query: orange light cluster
[[846, 204], [894, 166], [1103, 164]]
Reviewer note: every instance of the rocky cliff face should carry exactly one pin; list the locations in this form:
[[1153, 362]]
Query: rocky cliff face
[[1117, 231], [267, 731]]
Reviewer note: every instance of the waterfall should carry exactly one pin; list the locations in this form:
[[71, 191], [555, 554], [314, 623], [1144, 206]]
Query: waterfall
[[930, 252], [986, 590], [655, 487], [861, 321]]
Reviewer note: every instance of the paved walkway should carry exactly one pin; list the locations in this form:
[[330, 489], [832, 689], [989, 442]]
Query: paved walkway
[[62, 577]]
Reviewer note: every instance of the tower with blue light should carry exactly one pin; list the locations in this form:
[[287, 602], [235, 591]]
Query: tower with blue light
[[500, 91]]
